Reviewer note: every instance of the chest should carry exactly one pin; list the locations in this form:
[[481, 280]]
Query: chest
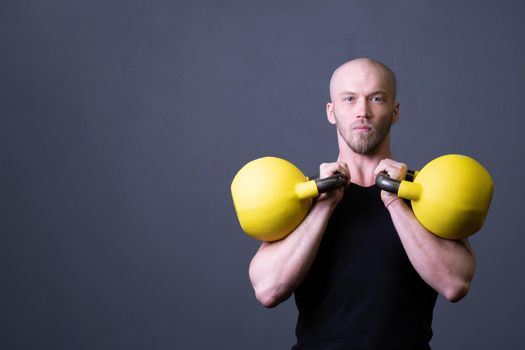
[[361, 240]]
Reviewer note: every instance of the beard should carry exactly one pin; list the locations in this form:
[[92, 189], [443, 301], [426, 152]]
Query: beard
[[365, 142]]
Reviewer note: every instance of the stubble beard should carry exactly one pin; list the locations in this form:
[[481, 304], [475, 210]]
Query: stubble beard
[[368, 142]]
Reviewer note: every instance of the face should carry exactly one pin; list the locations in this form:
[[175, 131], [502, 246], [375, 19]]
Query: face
[[363, 105]]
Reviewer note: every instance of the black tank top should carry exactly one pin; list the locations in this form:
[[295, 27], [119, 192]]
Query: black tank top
[[362, 291]]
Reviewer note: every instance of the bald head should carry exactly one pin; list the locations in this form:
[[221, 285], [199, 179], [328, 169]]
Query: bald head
[[362, 69]]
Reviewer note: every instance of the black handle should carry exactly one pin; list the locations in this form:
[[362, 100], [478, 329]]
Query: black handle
[[391, 185], [411, 174], [329, 183]]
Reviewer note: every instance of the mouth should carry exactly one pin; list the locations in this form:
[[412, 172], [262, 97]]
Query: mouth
[[362, 128]]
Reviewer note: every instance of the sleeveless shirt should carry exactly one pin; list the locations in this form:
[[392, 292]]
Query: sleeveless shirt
[[362, 291]]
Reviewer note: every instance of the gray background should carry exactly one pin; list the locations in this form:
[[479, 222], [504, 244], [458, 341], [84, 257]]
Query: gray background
[[123, 123]]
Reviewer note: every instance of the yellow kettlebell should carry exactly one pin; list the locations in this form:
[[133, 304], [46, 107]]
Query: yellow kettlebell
[[450, 196], [271, 196]]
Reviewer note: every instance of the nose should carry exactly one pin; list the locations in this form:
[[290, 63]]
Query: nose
[[362, 108]]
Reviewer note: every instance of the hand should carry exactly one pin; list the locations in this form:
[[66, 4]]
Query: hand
[[328, 169], [395, 170]]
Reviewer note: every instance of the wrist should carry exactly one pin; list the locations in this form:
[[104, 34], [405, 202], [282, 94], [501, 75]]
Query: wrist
[[325, 204], [391, 201]]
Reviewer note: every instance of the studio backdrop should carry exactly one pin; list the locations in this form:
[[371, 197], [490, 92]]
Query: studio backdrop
[[122, 124]]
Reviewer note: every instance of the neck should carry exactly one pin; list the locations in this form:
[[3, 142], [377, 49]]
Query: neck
[[362, 166]]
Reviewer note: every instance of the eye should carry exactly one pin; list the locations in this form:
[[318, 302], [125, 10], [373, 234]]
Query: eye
[[377, 98], [350, 98]]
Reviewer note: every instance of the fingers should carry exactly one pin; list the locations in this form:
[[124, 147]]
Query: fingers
[[395, 170], [329, 169]]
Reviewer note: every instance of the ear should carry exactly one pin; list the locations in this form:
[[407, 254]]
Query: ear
[[330, 113], [395, 113]]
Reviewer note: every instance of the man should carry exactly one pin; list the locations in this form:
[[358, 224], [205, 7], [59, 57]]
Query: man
[[365, 273]]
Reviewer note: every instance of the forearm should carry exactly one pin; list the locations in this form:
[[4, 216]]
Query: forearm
[[279, 267], [446, 265]]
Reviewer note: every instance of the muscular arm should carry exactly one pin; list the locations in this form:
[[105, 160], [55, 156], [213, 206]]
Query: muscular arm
[[279, 267], [446, 265]]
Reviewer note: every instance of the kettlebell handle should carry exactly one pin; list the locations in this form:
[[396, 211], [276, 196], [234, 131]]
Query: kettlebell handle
[[392, 185], [330, 183]]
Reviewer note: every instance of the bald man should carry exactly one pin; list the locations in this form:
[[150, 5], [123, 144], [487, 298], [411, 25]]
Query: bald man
[[364, 272]]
